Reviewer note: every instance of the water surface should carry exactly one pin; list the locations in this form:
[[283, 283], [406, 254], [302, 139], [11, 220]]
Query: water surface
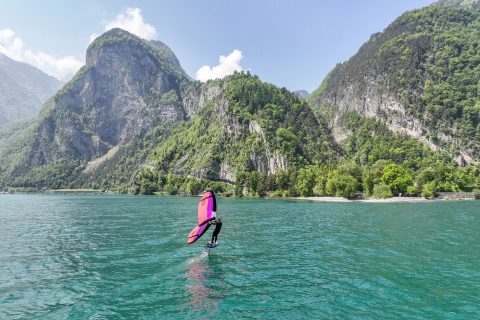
[[125, 257]]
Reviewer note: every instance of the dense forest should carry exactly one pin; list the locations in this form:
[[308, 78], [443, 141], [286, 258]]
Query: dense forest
[[384, 179]]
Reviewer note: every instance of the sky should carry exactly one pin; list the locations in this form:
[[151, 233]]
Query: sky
[[293, 44]]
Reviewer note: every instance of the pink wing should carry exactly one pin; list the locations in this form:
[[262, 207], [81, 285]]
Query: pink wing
[[206, 207], [197, 232]]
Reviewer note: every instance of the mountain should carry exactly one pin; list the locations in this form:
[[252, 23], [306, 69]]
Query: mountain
[[389, 121], [133, 109], [245, 125], [302, 94], [23, 89], [419, 77]]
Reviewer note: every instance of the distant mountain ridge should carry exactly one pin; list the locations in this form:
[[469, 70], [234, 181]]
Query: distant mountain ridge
[[302, 94], [23, 89]]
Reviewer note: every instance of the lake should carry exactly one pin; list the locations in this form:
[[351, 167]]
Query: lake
[[126, 257]]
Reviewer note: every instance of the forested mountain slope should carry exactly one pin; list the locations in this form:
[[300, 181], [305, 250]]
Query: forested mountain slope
[[420, 76], [133, 107]]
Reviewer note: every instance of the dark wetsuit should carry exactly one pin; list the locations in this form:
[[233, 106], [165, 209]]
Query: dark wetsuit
[[218, 226]]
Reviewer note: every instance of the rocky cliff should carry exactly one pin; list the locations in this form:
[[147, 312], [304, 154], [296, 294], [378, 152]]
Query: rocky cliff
[[132, 106], [118, 92], [127, 86], [240, 124], [419, 76]]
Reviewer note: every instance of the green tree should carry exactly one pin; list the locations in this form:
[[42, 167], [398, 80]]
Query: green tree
[[429, 190], [253, 178], [425, 176], [320, 186], [292, 182], [397, 178], [170, 185], [372, 176], [306, 180], [147, 187], [381, 191], [262, 186], [351, 169], [341, 185], [194, 187], [145, 181], [240, 181], [282, 179]]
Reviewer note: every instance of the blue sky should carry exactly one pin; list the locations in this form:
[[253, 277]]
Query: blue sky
[[289, 43]]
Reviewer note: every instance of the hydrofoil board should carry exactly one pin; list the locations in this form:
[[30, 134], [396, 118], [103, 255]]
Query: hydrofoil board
[[211, 245]]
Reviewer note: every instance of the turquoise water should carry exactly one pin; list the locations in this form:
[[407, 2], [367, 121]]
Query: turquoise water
[[125, 257]]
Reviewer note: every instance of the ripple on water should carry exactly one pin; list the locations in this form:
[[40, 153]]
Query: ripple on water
[[121, 257]]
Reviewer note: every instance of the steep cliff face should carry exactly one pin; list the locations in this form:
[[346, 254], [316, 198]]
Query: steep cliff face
[[241, 124], [238, 124], [127, 86], [120, 91], [23, 89], [132, 106], [420, 77]]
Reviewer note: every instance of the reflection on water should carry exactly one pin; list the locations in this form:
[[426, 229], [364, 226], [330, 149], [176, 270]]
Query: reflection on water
[[205, 278], [121, 257]]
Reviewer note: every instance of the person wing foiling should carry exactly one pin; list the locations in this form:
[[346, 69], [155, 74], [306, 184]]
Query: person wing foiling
[[206, 212]]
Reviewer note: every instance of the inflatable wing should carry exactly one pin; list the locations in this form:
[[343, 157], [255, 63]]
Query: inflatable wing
[[206, 212]]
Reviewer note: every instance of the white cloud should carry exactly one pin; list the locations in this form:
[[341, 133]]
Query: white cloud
[[60, 67], [63, 67], [227, 65], [132, 21], [10, 45]]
